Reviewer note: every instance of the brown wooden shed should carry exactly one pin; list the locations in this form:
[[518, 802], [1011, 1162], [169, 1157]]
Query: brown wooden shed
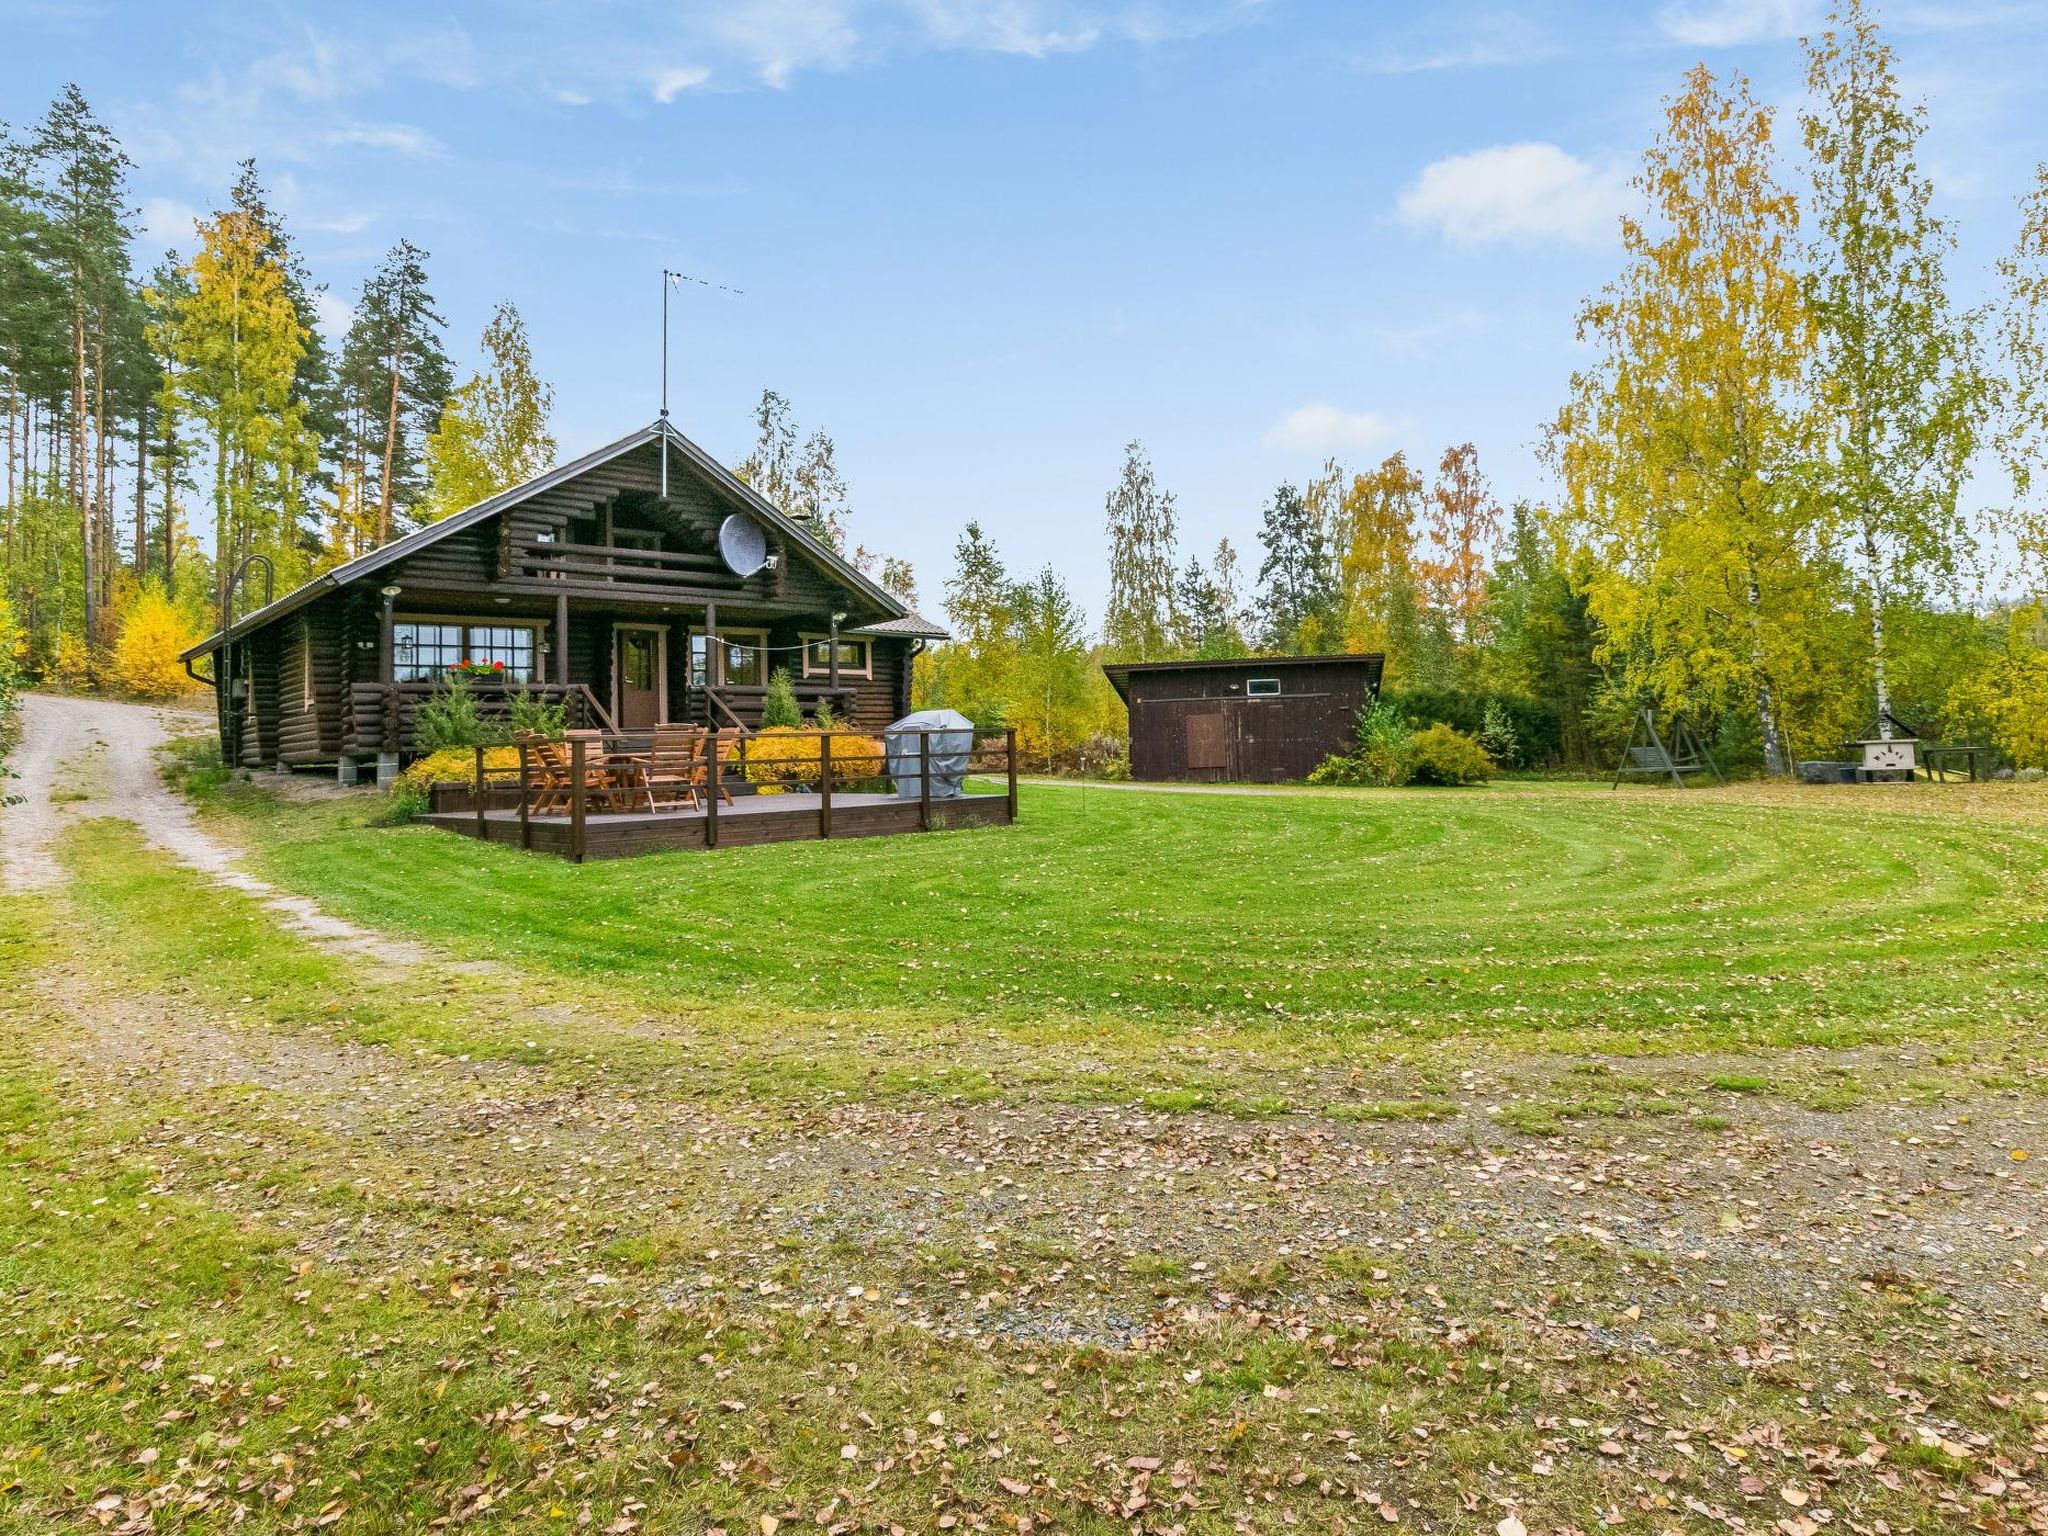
[[1249, 719]]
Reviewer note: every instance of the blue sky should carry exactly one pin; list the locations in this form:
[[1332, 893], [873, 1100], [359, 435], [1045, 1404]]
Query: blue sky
[[986, 242]]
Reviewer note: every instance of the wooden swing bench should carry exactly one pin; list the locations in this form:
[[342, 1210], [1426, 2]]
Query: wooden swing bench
[[1647, 756]]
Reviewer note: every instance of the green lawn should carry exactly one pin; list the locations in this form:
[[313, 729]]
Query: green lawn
[[1547, 908], [1448, 1162]]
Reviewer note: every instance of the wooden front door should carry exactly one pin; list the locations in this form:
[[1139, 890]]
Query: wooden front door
[[639, 676]]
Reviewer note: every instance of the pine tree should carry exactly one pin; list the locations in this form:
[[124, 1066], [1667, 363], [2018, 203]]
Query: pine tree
[[395, 378], [1298, 576], [84, 179], [1894, 371], [165, 297], [493, 432]]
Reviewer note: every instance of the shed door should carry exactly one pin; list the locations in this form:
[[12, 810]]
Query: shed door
[[1208, 742]]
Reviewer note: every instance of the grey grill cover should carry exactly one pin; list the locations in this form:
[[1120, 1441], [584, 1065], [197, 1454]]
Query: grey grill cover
[[950, 750]]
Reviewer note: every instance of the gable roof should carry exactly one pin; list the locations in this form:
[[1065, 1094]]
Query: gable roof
[[662, 431]]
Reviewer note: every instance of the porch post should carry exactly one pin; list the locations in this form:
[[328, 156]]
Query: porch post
[[387, 674], [387, 651], [577, 761], [832, 667], [924, 781], [824, 783], [562, 639], [711, 671]]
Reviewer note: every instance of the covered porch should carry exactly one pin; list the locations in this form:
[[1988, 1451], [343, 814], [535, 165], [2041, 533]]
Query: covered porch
[[618, 665]]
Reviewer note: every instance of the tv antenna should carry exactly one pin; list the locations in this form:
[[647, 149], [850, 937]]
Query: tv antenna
[[671, 280]]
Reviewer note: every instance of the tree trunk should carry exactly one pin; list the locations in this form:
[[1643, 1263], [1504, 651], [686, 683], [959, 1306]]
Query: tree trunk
[[142, 490], [391, 424], [1884, 692], [77, 447], [1766, 697], [101, 511], [170, 449]]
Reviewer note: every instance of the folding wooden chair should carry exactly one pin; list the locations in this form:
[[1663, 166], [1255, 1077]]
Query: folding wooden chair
[[545, 765], [671, 769]]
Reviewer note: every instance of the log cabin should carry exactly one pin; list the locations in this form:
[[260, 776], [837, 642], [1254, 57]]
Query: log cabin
[[640, 585]]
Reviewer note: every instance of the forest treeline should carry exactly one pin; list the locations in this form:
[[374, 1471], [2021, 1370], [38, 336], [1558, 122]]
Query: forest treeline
[[1759, 521], [1759, 525], [163, 426]]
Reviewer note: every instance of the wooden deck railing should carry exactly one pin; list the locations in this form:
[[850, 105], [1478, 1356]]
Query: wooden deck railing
[[382, 713], [602, 767]]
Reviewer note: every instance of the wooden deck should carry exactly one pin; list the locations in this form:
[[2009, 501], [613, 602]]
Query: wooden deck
[[749, 819]]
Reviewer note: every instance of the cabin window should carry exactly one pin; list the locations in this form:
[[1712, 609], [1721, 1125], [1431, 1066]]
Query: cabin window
[[855, 658], [1262, 687], [742, 658], [423, 652]]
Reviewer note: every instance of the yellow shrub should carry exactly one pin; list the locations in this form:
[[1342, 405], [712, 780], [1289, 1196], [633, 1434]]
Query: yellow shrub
[[2008, 699], [457, 765], [146, 656], [782, 756], [71, 664]]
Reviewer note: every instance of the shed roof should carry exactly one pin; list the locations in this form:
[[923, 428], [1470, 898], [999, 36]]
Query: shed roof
[[398, 549]]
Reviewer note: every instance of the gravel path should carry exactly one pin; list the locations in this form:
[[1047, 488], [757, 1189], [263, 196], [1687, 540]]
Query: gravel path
[[84, 758]]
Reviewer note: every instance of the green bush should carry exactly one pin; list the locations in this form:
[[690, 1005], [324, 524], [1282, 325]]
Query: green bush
[[1384, 745], [1538, 732], [1441, 755], [450, 719], [823, 718], [529, 713], [1338, 768], [406, 801], [1498, 736], [779, 708]]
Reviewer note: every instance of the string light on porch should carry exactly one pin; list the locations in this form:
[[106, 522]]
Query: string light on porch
[[672, 279]]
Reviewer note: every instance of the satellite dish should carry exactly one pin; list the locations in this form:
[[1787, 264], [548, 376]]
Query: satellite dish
[[742, 544]]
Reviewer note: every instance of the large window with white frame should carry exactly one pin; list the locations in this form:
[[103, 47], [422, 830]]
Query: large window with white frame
[[856, 656], [424, 650], [742, 659]]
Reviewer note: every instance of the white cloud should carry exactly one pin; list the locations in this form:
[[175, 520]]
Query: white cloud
[[398, 138], [332, 315], [1519, 194], [1326, 429], [1006, 26], [168, 222], [1724, 23], [777, 38], [671, 82]]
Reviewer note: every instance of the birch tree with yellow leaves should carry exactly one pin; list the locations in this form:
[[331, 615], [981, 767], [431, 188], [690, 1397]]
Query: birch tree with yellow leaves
[[235, 342], [1684, 450], [1901, 399], [2023, 432]]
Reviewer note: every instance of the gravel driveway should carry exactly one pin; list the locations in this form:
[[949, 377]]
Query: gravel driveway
[[83, 758]]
